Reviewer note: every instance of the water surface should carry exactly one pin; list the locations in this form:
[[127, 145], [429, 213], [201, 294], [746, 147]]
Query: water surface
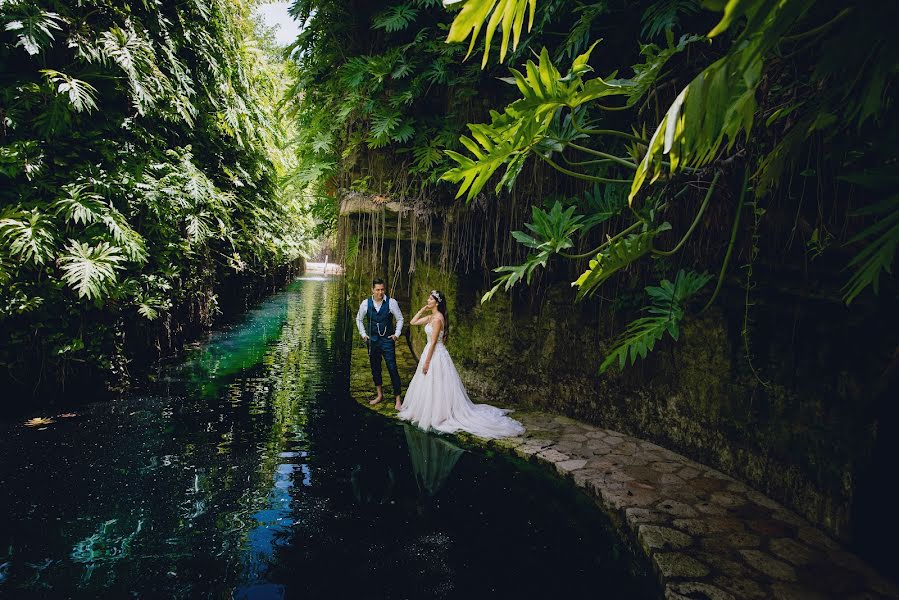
[[249, 472]]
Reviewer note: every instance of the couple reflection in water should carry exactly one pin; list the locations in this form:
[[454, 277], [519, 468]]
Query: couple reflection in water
[[436, 399], [433, 460]]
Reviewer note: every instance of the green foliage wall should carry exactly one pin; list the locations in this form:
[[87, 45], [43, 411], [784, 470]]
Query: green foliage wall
[[139, 167], [731, 166]]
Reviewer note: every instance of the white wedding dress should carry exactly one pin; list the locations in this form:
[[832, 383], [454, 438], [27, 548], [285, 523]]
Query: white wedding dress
[[439, 401]]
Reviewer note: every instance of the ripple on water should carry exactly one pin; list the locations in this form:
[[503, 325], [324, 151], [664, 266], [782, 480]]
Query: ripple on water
[[248, 472]]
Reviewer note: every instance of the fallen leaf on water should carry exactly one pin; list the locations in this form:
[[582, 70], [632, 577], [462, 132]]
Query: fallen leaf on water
[[67, 415], [39, 421]]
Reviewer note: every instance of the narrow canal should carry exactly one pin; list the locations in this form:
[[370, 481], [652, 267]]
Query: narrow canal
[[247, 471]]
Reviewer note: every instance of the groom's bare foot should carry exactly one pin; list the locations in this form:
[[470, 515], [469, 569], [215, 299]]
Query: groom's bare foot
[[376, 400], [398, 404]]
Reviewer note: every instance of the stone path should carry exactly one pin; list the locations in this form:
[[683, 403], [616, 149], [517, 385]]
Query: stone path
[[707, 535]]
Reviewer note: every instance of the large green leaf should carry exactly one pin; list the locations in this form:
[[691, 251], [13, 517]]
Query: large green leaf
[[719, 103], [878, 255], [81, 95], [395, 18], [32, 26], [667, 310], [507, 14], [90, 270], [514, 134], [612, 259], [29, 236]]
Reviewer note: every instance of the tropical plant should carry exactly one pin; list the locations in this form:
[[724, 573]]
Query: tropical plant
[[140, 159], [666, 311], [710, 121]]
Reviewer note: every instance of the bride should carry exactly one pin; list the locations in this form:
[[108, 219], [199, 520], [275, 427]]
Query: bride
[[436, 398]]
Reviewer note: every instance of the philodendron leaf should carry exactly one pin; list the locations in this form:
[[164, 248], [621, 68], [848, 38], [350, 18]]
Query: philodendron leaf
[[508, 14], [612, 259]]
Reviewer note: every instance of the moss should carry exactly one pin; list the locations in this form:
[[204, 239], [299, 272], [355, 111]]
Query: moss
[[800, 437]]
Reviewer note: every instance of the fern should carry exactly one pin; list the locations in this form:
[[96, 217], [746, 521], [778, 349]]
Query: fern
[[403, 133], [395, 18], [666, 312], [131, 242], [383, 124], [553, 231], [322, 143], [90, 270], [665, 15], [553, 228], [426, 156], [353, 72], [401, 70], [579, 37]]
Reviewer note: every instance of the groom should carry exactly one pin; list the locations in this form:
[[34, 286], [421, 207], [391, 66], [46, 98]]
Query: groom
[[380, 310]]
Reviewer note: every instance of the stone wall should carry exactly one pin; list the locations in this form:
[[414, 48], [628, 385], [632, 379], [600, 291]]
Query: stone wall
[[798, 422]]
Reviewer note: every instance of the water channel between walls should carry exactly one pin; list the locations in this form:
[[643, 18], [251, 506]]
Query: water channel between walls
[[248, 471]]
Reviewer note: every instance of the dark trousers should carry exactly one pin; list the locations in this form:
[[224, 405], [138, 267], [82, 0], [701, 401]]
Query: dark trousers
[[384, 346]]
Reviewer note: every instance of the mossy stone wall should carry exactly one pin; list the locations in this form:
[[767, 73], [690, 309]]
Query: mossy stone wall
[[798, 422]]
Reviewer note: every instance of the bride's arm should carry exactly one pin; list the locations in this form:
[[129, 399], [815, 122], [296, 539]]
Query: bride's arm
[[436, 326], [418, 320]]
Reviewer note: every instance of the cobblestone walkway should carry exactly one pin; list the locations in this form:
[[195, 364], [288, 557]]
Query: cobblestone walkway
[[707, 535]]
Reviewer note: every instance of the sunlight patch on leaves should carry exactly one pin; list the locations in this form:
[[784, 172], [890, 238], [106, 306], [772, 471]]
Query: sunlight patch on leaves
[[28, 235], [33, 26], [90, 270], [82, 95], [505, 14]]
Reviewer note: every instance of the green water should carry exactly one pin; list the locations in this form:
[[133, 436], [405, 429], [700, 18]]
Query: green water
[[249, 472]]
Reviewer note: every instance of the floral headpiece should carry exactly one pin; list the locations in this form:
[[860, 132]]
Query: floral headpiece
[[437, 296]]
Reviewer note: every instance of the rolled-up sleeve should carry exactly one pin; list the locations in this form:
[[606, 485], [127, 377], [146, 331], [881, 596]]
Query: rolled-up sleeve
[[395, 309], [361, 315]]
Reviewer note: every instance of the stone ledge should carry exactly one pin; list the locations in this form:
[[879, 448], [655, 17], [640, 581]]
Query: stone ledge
[[706, 535]]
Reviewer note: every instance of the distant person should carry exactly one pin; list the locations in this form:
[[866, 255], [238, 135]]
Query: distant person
[[436, 398], [381, 310]]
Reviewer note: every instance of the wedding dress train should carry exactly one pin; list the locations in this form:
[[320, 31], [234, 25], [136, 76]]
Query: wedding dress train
[[439, 401]]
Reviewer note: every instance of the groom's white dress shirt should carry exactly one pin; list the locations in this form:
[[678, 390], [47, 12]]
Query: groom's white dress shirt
[[392, 306]]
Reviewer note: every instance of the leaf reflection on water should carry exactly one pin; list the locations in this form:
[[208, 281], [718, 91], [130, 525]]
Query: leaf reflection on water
[[103, 546]]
